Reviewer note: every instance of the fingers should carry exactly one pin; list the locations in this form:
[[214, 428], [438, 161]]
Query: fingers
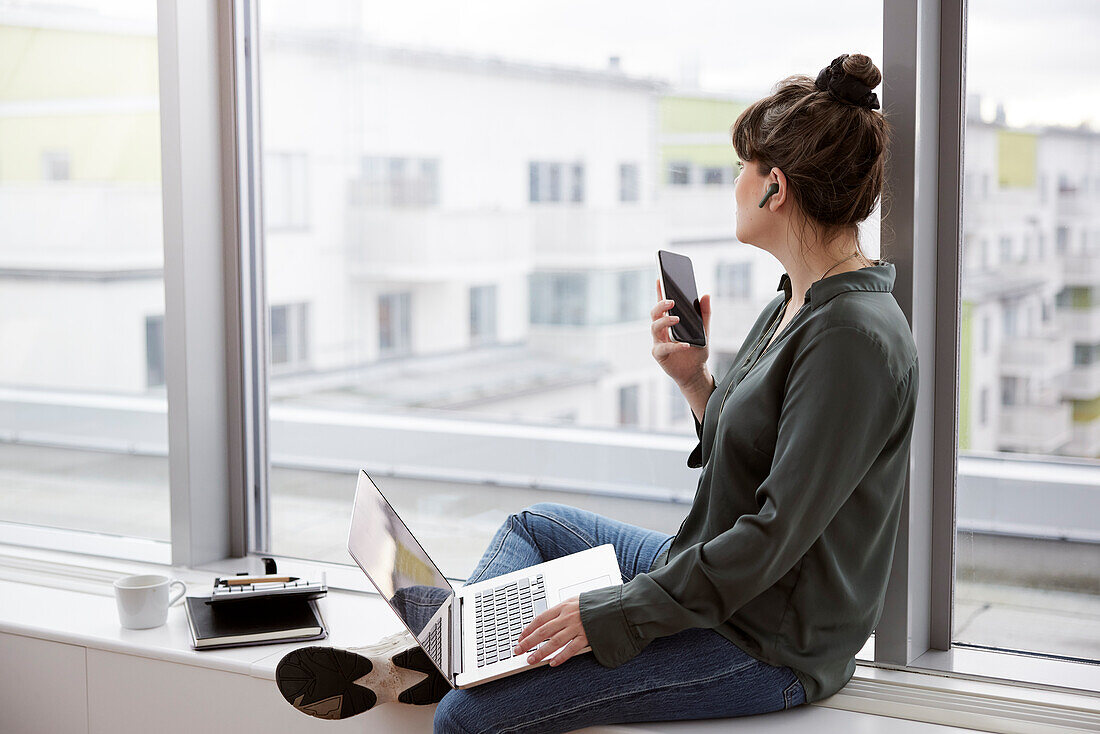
[[704, 308], [660, 308], [528, 640], [538, 629], [660, 326], [565, 653], [660, 293], [557, 642]]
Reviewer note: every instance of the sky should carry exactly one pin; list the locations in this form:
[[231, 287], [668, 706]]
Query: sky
[[1043, 65], [1039, 59]]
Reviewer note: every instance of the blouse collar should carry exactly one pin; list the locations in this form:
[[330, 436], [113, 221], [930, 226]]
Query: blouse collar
[[872, 278]]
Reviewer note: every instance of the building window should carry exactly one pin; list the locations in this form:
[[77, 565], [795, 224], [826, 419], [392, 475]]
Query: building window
[[1010, 320], [55, 165], [628, 182], [679, 173], [546, 181], [483, 314], [154, 351], [633, 289], [559, 299], [628, 405], [1062, 240], [388, 182], [983, 406], [717, 175], [1011, 392], [286, 191], [733, 280], [985, 335], [577, 188], [289, 334], [394, 323], [678, 407], [1006, 250]]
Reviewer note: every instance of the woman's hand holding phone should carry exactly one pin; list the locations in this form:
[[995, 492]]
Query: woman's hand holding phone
[[684, 363]]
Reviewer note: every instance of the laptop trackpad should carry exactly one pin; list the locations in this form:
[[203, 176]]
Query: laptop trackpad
[[575, 590]]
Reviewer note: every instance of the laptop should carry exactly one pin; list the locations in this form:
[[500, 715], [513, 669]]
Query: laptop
[[470, 632]]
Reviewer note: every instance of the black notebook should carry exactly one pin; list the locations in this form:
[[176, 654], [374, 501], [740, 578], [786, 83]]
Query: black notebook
[[252, 622]]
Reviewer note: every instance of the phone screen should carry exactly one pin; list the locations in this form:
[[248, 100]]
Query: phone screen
[[678, 279]]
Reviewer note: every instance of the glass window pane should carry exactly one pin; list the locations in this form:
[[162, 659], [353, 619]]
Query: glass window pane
[[534, 146], [1028, 509], [83, 413]]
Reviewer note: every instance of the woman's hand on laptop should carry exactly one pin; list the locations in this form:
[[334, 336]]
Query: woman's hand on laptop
[[561, 625]]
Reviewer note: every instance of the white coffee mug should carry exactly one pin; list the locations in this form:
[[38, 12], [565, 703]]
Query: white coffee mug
[[143, 600]]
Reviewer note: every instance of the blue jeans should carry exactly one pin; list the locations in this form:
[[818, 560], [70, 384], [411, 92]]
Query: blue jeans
[[694, 674]]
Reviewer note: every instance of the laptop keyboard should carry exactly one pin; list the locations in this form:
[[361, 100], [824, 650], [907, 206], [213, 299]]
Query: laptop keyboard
[[502, 613], [433, 643]]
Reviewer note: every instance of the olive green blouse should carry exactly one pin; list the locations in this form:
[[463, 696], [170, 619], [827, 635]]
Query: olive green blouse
[[804, 449]]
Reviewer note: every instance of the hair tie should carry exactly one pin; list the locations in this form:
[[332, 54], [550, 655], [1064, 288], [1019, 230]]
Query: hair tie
[[845, 87]]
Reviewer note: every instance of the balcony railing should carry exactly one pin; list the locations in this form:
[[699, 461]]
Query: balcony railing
[[1075, 203], [1079, 324], [426, 245], [1082, 270], [75, 225], [1017, 277], [1083, 382], [1040, 429], [606, 238], [1036, 356], [1086, 439], [695, 214]]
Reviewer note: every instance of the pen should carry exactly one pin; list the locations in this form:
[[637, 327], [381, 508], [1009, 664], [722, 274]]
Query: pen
[[239, 580]]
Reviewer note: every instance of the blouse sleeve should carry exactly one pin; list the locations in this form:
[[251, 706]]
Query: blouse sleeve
[[840, 405]]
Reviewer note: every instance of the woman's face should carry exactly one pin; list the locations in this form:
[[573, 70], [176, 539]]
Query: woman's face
[[753, 222]]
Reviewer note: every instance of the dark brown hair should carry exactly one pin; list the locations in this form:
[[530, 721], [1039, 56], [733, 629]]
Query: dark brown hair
[[833, 153]]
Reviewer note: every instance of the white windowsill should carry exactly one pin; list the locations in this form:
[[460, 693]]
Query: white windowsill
[[68, 598]]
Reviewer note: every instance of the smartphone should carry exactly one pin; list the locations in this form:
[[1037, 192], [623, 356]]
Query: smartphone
[[678, 283]]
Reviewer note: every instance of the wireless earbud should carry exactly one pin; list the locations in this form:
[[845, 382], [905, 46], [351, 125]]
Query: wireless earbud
[[773, 188]]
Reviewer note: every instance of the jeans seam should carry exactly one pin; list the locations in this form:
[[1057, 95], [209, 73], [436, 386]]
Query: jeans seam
[[576, 531], [669, 687], [789, 692]]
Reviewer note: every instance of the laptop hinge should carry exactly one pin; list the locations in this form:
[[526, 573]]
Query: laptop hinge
[[456, 637]]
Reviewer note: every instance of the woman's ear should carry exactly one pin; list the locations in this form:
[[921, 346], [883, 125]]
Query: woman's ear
[[773, 188]]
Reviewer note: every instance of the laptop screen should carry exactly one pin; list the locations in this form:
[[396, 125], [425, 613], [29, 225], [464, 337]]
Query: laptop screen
[[393, 560]]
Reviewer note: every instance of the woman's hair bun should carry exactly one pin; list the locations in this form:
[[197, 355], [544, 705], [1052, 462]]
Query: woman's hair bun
[[862, 68]]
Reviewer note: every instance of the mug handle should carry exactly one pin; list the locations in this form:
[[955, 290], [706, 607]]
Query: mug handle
[[182, 591]]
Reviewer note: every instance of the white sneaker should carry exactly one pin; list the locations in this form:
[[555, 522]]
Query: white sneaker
[[331, 683]]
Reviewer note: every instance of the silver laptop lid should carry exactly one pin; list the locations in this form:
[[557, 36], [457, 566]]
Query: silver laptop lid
[[393, 560]]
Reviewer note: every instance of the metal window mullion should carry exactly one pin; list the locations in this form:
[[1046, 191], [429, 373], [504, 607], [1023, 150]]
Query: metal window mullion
[[241, 17], [923, 63]]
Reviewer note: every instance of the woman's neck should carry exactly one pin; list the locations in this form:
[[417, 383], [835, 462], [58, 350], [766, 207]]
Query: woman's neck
[[803, 272]]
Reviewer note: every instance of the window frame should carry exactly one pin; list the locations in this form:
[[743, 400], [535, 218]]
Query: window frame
[[215, 333]]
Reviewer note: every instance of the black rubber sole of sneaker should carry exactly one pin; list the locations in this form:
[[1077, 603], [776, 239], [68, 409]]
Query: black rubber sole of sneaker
[[320, 681], [428, 691]]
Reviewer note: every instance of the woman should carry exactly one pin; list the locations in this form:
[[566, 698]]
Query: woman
[[777, 576]]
